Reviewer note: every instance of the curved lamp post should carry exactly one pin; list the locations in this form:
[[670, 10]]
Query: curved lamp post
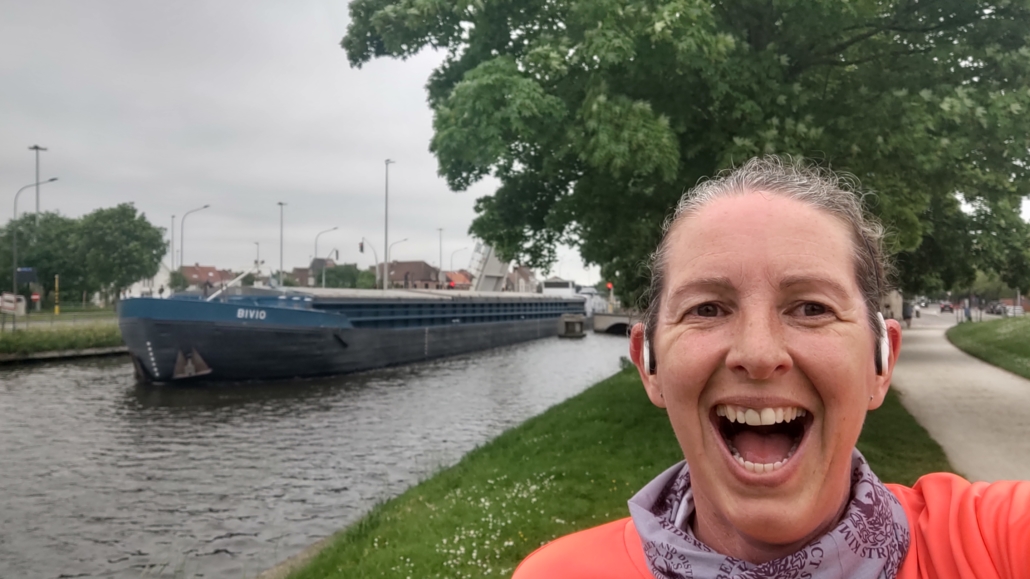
[[14, 246], [374, 256], [386, 225], [182, 233], [319, 234], [386, 264], [452, 256]]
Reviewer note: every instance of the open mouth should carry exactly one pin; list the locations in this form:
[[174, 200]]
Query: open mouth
[[762, 439]]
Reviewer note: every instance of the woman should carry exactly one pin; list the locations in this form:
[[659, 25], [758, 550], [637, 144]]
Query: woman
[[763, 342]]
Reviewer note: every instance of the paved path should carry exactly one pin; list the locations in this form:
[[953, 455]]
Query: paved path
[[980, 414]]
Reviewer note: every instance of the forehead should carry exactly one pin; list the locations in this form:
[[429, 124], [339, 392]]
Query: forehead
[[759, 236]]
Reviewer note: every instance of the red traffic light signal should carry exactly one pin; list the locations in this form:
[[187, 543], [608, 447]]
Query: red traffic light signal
[[609, 285]]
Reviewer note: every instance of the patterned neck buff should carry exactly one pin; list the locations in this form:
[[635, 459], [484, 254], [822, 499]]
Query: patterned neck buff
[[869, 542]]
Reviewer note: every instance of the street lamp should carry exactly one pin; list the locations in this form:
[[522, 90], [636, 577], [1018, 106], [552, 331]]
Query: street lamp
[[171, 244], [37, 149], [182, 232], [319, 234], [281, 205], [386, 264], [452, 256], [386, 225], [337, 252], [257, 256], [374, 256], [14, 247]]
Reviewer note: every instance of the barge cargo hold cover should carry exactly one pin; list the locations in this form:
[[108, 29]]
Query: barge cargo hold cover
[[258, 334]]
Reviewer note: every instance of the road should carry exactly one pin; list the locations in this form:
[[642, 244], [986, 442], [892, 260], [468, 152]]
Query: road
[[978, 413]]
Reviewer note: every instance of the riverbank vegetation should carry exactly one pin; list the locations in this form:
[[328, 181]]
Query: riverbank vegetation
[[50, 339], [1004, 343], [572, 467]]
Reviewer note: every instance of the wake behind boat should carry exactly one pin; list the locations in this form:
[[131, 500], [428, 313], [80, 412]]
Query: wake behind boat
[[258, 334]]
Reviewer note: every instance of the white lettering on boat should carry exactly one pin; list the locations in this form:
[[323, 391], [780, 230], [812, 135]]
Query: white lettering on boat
[[250, 314]]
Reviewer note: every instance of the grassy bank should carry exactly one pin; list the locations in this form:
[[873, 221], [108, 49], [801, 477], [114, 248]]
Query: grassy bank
[[1004, 343], [572, 467], [77, 337]]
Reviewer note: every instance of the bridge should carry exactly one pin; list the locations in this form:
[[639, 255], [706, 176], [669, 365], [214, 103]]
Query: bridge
[[617, 323]]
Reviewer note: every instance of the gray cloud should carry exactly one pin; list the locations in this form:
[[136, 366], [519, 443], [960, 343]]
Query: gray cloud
[[239, 104]]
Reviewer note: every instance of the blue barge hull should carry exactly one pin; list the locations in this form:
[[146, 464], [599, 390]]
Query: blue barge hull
[[308, 333]]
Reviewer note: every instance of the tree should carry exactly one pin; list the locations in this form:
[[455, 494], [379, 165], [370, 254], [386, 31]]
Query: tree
[[177, 281], [345, 275], [51, 245], [595, 116], [120, 247]]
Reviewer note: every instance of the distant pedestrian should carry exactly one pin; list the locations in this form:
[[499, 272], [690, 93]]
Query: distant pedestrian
[[906, 313]]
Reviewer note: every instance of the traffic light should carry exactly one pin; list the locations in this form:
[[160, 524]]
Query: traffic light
[[361, 246], [609, 285]]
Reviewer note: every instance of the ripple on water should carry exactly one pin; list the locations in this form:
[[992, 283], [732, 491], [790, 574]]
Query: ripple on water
[[106, 478]]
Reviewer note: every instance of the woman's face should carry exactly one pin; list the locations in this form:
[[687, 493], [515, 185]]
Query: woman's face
[[762, 320]]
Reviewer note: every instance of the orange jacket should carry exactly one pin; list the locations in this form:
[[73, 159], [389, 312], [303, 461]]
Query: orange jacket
[[960, 530]]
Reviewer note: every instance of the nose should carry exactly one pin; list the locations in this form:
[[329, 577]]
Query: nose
[[758, 351]]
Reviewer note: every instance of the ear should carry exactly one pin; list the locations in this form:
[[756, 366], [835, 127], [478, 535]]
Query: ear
[[636, 353], [883, 383]]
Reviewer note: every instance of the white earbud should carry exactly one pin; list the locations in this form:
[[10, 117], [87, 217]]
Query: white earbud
[[647, 357], [885, 346]]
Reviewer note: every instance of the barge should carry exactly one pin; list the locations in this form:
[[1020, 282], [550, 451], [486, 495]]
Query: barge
[[262, 334]]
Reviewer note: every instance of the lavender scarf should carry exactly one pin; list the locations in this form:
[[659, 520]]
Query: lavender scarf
[[869, 542]]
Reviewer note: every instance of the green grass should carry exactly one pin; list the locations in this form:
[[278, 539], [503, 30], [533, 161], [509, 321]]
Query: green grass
[[570, 468], [76, 337], [1004, 343]]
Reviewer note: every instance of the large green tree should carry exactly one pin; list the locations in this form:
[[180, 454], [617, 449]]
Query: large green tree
[[50, 245], [120, 247], [596, 115]]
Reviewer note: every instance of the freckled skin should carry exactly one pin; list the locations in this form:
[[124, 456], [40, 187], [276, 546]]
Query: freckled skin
[[761, 302]]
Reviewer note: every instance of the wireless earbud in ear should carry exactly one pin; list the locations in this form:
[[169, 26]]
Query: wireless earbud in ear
[[649, 362], [883, 347]]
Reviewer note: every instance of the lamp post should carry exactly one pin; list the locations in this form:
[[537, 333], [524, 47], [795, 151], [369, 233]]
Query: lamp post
[[257, 256], [337, 252], [319, 234], [386, 264], [182, 232], [386, 225], [452, 256], [281, 205], [439, 274], [14, 247], [171, 245], [37, 149], [374, 256]]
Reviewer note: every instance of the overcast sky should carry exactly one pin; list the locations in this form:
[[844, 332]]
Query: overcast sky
[[237, 104]]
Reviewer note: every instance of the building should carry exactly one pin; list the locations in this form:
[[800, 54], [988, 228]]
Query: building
[[157, 286], [596, 302], [458, 280], [556, 286], [521, 279], [201, 277], [414, 275]]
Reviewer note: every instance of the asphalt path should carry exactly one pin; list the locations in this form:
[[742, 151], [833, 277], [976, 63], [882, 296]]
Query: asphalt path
[[978, 413]]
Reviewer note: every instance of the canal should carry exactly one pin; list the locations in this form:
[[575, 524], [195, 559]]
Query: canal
[[101, 477]]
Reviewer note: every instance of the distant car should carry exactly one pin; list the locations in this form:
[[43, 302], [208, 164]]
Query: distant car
[[947, 308]]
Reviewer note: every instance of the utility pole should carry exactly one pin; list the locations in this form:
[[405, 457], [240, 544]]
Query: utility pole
[[171, 245], [37, 149], [281, 205], [182, 232], [439, 273], [386, 228]]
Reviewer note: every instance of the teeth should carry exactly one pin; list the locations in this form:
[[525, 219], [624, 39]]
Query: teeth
[[759, 417]]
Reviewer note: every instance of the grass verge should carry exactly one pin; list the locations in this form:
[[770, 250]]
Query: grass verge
[[77, 337], [1004, 343], [572, 467]]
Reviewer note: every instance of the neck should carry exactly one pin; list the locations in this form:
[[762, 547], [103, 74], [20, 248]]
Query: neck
[[722, 536]]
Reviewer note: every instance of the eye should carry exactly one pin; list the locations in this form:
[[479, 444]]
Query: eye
[[707, 310], [813, 309]]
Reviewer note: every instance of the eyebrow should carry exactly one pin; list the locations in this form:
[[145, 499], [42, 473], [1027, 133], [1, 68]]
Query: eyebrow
[[833, 285], [703, 283]]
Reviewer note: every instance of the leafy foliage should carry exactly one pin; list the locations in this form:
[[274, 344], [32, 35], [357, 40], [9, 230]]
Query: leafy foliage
[[596, 116], [178, 282], [105, 251]]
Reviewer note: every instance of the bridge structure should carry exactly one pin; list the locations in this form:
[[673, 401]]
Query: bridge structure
[[617, 323]]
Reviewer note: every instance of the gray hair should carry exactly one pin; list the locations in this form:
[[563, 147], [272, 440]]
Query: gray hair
[[836, 194]]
